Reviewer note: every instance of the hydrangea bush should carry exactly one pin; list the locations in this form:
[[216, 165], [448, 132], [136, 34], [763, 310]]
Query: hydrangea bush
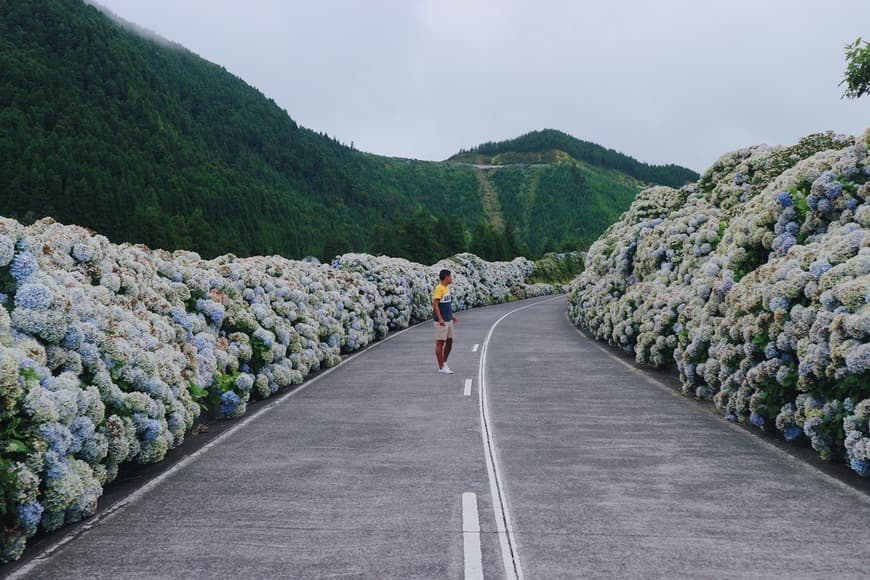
[[109, 353], [755, 282]]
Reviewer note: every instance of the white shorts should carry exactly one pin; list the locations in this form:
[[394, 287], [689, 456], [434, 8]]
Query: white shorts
[[444, 332]]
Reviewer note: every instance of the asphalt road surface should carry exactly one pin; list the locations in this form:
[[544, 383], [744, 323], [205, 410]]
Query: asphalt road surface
[[571, 465]]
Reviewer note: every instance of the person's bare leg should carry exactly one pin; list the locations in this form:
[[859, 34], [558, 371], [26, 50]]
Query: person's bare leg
[[448, 346], [439, 352]]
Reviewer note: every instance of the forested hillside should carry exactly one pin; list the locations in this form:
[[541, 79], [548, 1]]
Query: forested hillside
[[146, 142], [538, 147]]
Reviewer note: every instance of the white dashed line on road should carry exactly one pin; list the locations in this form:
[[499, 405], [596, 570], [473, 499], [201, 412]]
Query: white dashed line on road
[[467, 387], [471, 538], [475, 347]]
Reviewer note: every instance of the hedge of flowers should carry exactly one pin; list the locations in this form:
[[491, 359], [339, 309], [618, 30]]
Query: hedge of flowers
[[755, 281], [406, 287], [109, 353]]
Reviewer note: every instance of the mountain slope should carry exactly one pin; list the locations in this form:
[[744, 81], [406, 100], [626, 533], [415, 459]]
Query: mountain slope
[[147, 142], [561, 204], [545, 147]]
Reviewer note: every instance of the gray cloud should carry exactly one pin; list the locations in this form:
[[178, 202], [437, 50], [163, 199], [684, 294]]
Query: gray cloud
[[665, 81]]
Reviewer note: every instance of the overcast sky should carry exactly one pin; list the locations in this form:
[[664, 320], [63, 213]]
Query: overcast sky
[[679, 81]]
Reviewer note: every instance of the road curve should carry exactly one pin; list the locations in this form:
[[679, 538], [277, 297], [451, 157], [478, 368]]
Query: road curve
[[381, 469]]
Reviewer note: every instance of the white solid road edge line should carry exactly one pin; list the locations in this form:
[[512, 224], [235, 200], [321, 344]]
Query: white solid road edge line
[[475, 347], [471, 538], [467, 387], [510, 556], [139, 493]]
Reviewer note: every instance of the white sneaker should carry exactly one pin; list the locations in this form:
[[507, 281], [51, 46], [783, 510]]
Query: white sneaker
[[446, 370]]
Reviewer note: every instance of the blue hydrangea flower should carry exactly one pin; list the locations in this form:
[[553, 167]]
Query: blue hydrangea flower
[[152, 430], [175, 422], [34, 296], [811, 425], [778, 303], [154, 387], [825, 205], [784, 242], [738, 178], [245, 382], [785, 199], [200, 341], [90, 354], [264, 336], [229, 403], [57, 465], [851, 203], [57, 436], [212, 310], [858, 359], [82, 430], [793, 432], [756, 420], [819, 267], [833, 190], [724, 286], [74, 337], [181, 318], [23, 266], [29, 515], [860, 466]]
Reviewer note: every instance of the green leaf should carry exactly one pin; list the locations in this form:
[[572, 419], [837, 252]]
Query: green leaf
[[800, 203], [16, 446]]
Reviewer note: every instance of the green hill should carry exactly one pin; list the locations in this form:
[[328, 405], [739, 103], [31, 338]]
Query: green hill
[[544, 147], [144, 141]]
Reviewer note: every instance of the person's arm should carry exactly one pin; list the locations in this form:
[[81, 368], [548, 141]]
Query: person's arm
[[435, 305]]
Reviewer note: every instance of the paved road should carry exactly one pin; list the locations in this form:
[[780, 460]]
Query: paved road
[[612, 475], [600, 472]]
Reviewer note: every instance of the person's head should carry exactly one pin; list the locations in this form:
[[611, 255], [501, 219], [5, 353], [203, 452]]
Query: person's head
[[446, 277]]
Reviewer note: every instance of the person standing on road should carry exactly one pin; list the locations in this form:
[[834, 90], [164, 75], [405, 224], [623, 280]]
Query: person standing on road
[[442, 305]]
